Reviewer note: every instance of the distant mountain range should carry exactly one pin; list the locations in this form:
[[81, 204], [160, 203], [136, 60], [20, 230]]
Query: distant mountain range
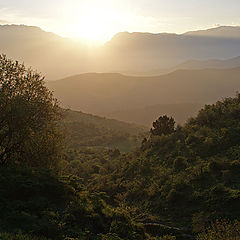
[[193, 64], [190, 69], [146, 51], [57, 57], [116, 93], [49, 53], [212, 63], [218, 32]]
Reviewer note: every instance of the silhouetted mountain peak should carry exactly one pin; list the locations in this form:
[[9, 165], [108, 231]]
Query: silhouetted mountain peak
[[24, 31], [93, 75], [125, 37], [222, 31]]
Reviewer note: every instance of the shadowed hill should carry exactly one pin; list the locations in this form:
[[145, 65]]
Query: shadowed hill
[[86, 130], [102, 122], [98, 93]]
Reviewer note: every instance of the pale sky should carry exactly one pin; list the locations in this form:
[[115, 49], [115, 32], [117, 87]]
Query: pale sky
[[99, 20]]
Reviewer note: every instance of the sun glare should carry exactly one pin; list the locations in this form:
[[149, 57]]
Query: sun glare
[[92, 27], [93, 23], [96, 22]]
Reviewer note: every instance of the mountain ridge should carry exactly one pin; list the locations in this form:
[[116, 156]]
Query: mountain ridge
[[109, 93], [56, 57]]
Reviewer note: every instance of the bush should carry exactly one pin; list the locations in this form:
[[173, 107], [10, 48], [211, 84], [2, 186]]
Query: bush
[[19, 236], [221, 230]]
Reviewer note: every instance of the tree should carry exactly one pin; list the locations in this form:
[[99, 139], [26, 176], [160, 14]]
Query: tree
[[29, 117], [163, 126]]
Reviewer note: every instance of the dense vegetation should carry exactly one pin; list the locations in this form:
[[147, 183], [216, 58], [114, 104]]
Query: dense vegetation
[[35, 200], [180, 180], [86, 130], [186, 177], [29, 117], [41, 203]]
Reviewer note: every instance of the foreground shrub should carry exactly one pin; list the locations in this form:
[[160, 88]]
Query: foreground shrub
[[221, 230]]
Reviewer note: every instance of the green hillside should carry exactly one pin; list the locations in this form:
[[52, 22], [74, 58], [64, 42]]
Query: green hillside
[[186, 177], [86, 130], [179, 181]]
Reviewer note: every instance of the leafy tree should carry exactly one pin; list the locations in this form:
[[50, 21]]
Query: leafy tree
[[29, 114], [163, 126]]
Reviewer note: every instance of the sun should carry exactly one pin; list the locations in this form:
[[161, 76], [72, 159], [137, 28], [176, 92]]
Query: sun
[[94, 23], [92, 26]]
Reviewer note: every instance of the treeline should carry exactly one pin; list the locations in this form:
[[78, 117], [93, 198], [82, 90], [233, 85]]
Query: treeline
[[177, 184]]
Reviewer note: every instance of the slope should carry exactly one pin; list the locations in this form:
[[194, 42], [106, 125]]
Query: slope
[[86, 130], [187, 177]]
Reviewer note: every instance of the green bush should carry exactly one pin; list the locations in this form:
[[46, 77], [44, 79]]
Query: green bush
[[221, 230], [19, 236]]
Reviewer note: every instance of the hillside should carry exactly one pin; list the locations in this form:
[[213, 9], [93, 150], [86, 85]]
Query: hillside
[[86, 130], [186, 177], [38, 204], [107, 93], [172, 187], [175, 184]]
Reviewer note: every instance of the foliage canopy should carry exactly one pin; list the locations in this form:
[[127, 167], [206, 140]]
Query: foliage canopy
[[29, 115]]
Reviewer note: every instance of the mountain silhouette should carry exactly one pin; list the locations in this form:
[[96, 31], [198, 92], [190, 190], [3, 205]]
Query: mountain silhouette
[[129, 53], [109, 93]]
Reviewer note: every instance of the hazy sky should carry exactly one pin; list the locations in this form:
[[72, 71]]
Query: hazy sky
[[101, 19]]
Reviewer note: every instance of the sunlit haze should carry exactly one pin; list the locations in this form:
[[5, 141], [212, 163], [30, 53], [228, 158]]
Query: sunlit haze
[[96, 21]]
